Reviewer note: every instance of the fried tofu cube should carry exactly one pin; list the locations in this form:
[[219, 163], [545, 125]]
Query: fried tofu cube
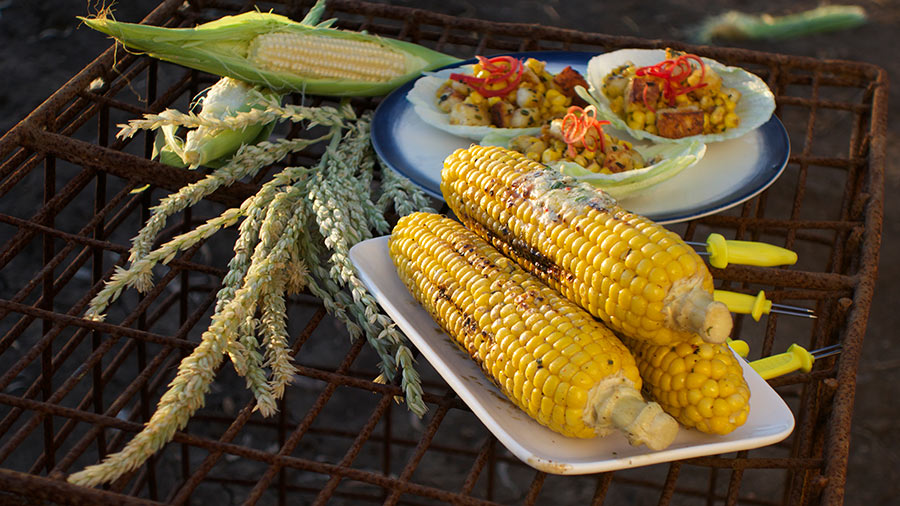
[[643, 91], [567, 79], [677, 123]]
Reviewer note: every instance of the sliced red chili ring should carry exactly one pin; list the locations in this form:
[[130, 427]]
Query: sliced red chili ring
[[572, 128], [674, 73], [582, 125], [511, 72], [467, 79], [491, 65]]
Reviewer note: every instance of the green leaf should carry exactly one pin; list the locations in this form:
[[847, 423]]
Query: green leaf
[[671, 158]]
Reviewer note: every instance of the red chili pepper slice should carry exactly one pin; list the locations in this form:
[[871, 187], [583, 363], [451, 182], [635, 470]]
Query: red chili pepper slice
[[582, 125], [500, 69], [674, 73], [467, 79]]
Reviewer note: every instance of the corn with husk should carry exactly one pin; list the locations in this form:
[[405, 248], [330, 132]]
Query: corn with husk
[[281, 54], [211, 146]]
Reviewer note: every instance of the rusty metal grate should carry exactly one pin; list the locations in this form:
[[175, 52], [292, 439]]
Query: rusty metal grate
[[73, 391]]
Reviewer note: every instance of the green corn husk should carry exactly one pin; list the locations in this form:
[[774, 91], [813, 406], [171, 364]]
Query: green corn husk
[[209, 146], [738, 25], [221, 47]]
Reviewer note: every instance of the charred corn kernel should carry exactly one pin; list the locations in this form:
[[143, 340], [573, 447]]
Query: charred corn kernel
[[445, 267], [616, 105], [551, 155], [475, 98], [274, 51], [700, 384], [717, 116], [732, 120], [545, 216], [536, 66]]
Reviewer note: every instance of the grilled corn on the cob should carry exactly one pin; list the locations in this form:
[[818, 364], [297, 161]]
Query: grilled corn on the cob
[[549, 357], [701, 384], [635, 275]]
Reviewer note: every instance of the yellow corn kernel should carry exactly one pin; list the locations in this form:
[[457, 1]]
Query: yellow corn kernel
[[551, 155], [478, 179], [700, 384], [445, 266], [475, 98], [732, 120], [617, 105], [717, 116], [325, 57]]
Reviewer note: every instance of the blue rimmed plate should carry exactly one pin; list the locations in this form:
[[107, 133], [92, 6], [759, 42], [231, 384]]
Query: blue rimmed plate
[[731, 172]]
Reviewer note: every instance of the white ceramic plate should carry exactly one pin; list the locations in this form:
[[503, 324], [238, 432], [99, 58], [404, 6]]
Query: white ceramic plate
[[770, 419], [730, 173]]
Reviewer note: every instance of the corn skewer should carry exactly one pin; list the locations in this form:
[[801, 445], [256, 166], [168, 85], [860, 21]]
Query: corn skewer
[[795, 358], [739, 346], [722, 252], [636, 276], [549, 357], [758, 305]]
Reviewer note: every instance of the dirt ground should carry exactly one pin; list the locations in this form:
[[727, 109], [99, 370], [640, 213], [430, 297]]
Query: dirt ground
[[43, 46]]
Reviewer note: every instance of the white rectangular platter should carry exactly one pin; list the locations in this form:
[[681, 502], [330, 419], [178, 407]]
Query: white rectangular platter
[[770, 419]]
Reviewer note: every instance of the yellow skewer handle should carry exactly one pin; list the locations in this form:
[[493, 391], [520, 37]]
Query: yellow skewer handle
[[740, 347], [795, 358], [743, 303], [724, 251]]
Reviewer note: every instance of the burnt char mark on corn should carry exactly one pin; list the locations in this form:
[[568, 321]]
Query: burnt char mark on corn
[[469, 325], [510, 244]]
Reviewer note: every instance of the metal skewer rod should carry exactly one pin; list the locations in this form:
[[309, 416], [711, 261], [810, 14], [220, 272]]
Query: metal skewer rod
[[793, 308], [827, 351]]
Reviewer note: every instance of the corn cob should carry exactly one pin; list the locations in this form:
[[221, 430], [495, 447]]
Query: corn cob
[[549, 357], [638, 277], [273, 51], [700, 384], [214, 146]]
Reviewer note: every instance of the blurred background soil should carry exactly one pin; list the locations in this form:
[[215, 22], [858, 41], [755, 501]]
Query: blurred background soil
[[43, 46]]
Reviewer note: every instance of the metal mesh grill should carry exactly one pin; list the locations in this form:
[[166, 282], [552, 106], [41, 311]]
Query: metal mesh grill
[[72, 391]]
